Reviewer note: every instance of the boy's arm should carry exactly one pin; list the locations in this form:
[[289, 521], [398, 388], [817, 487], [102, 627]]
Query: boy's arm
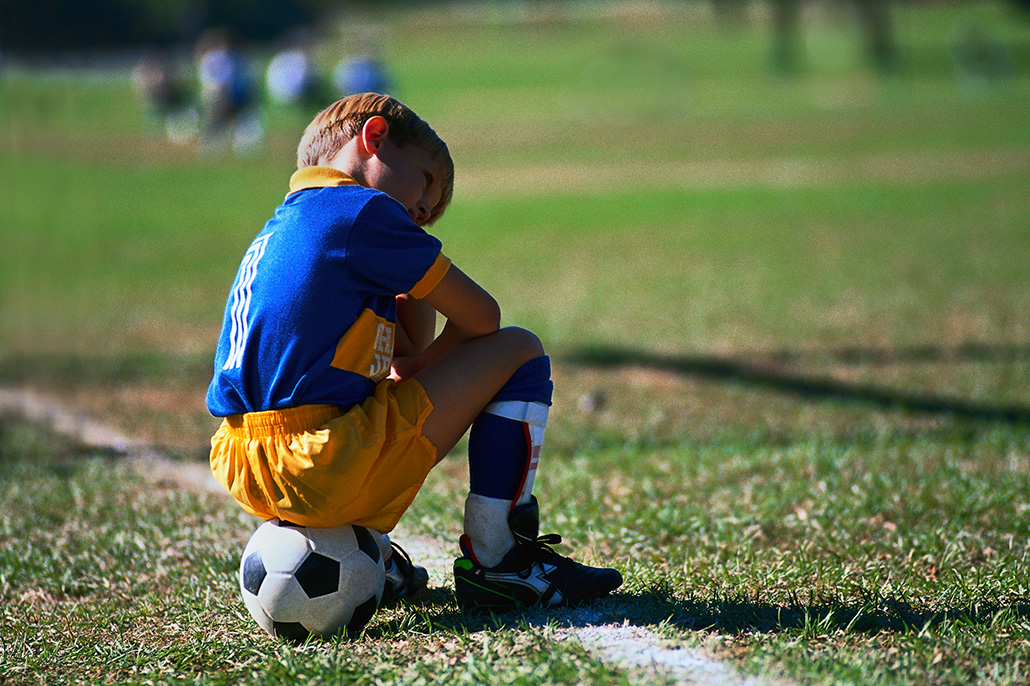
[[416, 326], [471, 312]]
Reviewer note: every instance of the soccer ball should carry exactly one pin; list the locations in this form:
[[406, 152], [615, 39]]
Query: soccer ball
[[299, 581]]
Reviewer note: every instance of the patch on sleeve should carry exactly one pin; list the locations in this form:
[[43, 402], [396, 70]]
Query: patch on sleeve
[[367, 347]]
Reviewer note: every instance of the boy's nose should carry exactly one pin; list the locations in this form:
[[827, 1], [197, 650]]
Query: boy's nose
[[420, 213]]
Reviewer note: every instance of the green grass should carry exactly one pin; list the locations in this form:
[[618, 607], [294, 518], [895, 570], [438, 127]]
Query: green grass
[[797, 307], [109, 579]]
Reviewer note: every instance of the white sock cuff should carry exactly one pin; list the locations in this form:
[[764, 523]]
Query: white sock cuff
[[532, 413]]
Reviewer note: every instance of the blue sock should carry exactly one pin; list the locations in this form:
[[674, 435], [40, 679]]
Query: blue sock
[[505, 439]]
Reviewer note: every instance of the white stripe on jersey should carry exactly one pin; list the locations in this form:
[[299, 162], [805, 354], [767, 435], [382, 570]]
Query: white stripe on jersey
[[241, 302]]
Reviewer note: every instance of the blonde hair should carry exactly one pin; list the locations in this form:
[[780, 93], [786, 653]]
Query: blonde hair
[[334, 126]]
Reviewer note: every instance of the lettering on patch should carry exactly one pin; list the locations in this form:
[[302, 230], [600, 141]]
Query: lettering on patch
[[367, 347], [383, 351]]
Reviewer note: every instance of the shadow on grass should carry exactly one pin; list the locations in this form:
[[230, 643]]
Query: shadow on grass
[[726, 616], [872, 617], [746, 373]]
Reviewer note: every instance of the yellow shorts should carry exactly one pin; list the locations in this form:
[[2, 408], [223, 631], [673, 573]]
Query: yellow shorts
[[318, 466]]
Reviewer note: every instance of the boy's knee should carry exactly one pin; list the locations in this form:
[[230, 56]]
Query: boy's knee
[[531, 382], [524, 341]]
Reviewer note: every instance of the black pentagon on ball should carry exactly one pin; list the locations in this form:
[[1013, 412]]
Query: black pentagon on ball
[[362, 615], [253, 573], [293, 631], [318, 575], [367, 542]]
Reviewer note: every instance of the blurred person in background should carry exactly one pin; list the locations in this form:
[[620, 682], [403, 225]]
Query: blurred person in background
[[229, 117], [160, 89], [291, 78], [363, 72]]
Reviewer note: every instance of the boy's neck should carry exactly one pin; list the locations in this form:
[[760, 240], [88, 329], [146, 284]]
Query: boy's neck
[[349, 161]]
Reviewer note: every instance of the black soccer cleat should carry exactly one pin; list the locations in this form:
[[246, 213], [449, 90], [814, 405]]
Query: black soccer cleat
[[532, 573], [404, 579]]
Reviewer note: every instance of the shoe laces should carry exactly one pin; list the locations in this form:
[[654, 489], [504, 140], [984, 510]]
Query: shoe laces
[[539, 549], [404, 580], [401, 563]]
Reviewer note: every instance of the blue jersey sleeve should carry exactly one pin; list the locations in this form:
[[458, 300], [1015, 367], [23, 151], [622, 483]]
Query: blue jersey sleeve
[[386, 251]]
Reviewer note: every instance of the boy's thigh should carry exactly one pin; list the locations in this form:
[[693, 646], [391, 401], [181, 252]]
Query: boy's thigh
[[462, 382]]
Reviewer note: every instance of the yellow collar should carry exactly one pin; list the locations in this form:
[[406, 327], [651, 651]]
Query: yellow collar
[[319, 177]]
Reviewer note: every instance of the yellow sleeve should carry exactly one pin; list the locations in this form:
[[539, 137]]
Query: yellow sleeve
[[433, 276]]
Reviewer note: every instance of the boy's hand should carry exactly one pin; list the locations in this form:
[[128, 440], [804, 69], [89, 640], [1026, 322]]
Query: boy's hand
[[405, 367]]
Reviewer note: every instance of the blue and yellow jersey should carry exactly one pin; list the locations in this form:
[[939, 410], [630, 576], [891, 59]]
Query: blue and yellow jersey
[[311, 316]]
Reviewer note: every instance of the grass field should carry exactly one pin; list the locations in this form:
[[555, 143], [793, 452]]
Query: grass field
[[788, 319]]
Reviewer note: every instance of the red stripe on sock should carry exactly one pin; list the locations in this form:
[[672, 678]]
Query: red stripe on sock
[[465, 543], [530, 463]]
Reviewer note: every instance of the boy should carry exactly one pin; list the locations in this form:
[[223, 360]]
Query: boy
[[337, 399]]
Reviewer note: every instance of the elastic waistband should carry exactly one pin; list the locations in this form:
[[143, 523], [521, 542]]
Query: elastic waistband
[[278, 422]]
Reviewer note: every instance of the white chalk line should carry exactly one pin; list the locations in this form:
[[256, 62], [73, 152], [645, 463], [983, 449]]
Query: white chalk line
[[644, 655]]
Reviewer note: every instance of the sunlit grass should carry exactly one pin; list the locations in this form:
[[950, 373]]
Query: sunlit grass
[[787, 320]]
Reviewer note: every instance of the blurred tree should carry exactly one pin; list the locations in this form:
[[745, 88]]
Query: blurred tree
[[874, 19], [33, 26], [256, 19], [30, 25]]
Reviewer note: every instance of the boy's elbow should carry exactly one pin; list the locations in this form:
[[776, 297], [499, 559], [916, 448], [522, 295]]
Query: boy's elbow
[[489, 320]]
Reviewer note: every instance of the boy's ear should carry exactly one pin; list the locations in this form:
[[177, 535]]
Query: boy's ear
[[373, 133]]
